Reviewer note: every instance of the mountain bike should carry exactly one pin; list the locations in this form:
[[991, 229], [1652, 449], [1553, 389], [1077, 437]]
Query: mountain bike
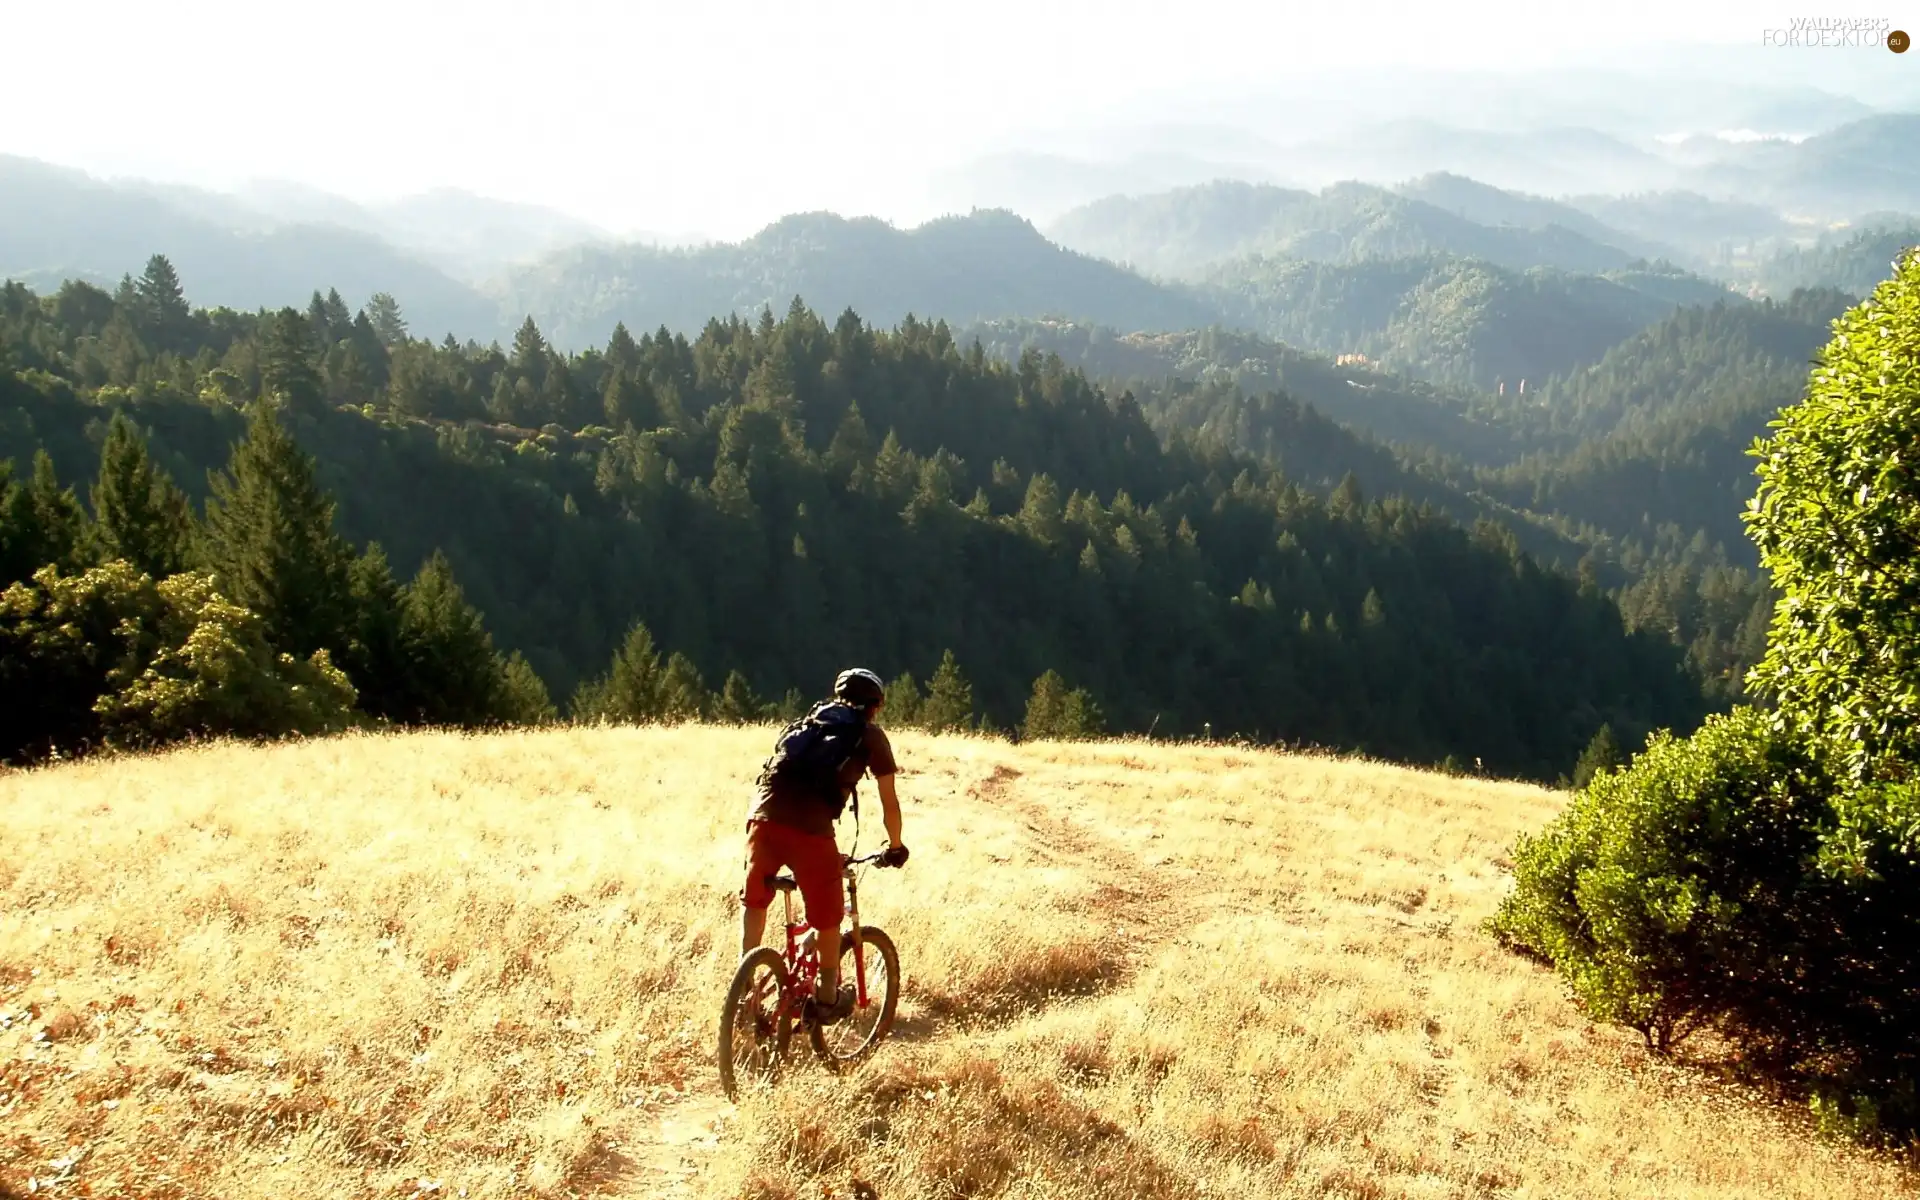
[[767, 1000]]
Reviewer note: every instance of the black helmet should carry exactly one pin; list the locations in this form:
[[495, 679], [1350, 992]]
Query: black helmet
[[859, 686]]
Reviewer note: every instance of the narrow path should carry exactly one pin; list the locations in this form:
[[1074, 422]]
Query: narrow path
[[673, 1144], [686, 1131]]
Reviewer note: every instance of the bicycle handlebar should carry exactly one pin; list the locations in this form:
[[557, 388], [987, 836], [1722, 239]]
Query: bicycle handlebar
[[871, 859]]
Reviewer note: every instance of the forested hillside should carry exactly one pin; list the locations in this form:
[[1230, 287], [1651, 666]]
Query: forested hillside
[[1450, 320], [779, 497], [1388, 407], [1853, 263], [1636, 464]]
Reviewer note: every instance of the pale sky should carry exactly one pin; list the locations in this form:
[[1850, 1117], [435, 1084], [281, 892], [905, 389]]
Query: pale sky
[[710, 117]]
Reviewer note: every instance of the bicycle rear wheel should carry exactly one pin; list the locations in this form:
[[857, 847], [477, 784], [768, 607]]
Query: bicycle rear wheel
[[755, 1026], [846, 1042]]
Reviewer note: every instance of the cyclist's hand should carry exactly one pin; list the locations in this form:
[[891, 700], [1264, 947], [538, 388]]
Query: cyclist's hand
[[894, 856]]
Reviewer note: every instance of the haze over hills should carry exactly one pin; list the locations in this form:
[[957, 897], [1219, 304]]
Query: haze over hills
[[1452, 320], [1181, 233], [57, 224], [966, 268]]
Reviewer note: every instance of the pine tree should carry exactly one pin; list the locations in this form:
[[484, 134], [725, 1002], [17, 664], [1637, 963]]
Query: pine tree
[[1055, 713], [40, 524], [384, 311], [903, 702], [1373, 611], [629, 402], [683, 694], [287, 362], [1080, 717], [737, 705], [142, 517], [271, 544], [1042, 514], [623, 353], [339, 322], [530, 351], [631, 690], [380, 657], [524, 699], [1045, 707], [1347, 500], [18, 553], [454, 660], [160, 307], [949, 702], [1601, 757], [852, 444]]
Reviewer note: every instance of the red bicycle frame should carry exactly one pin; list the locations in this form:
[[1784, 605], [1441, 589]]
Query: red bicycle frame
[[803, 961]]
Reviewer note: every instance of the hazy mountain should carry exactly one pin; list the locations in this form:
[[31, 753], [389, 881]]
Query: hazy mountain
[[1867, 164], [471, 237], [1707, 230], [1041, 186], [485, 235], [961, 269], [56, 224], [1451, 320], [1180, 233], [1488, 205], [1542, 160]]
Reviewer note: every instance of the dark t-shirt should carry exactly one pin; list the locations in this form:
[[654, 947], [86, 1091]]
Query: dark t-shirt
[[810, 814]]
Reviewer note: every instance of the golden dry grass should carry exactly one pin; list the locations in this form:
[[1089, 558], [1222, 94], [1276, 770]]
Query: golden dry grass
[[440, 965]]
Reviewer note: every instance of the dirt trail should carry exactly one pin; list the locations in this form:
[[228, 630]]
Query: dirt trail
[[676, 1151], [673, 1144], [1154, 902]]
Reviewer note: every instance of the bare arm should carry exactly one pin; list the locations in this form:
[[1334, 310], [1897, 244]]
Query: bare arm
[[889, 807]]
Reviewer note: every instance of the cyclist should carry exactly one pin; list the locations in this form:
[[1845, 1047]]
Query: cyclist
[[795, 830]]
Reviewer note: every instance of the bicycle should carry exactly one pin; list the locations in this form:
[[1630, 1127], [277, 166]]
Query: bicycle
[[755, 1037]]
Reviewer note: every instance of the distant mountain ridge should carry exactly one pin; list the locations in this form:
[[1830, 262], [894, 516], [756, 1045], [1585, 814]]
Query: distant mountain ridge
[[963, 268], [1182, 232], [1457, 321], [57, 223]]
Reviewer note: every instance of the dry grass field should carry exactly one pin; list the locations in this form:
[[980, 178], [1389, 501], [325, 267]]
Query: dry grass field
[[450, 966]]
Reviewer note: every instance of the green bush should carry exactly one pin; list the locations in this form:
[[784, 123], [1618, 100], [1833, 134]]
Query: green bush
[[1665, 893], [213, 674], [1735, 879], [109, 657]]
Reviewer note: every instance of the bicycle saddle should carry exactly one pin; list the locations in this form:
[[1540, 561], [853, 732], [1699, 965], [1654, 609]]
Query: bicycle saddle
[[781, 883]]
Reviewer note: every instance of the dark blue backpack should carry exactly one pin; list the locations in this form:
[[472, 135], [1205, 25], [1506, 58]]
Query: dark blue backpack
[[811, 752]]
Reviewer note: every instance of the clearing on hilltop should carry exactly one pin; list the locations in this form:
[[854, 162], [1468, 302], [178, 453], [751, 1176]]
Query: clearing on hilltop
[[492, 965]]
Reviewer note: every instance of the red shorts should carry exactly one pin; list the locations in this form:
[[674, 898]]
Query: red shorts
[[815, 861]]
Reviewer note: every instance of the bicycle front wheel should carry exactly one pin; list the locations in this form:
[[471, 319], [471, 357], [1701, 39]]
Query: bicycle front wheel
[[755, 1026], [846, 1042]]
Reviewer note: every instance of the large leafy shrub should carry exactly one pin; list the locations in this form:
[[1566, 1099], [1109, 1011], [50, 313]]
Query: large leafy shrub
[[1666, 893], [107, 656], [214, 673]]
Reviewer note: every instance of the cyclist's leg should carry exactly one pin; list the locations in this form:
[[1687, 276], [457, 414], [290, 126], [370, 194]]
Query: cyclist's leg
[[815, 859], [763, 859]]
